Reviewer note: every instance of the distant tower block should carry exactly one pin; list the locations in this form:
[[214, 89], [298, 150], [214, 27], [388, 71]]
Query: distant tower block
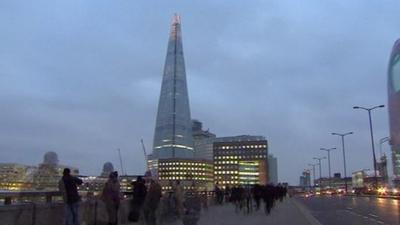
[[107, 169], [50, 158], [173, 133], [394, 107]]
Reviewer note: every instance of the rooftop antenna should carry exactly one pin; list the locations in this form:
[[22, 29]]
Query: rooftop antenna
[[120, 161]]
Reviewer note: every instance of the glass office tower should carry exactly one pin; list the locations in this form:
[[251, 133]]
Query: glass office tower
[[173, 133], [394, 107]]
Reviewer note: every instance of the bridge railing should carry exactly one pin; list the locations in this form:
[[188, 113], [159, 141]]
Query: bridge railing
[[47, 208]]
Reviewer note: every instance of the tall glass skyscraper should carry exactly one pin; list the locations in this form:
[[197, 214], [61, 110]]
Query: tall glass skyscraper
[[394, 106], [173, 133]]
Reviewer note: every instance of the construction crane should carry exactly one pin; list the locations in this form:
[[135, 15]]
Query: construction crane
[[120, 161], [145, 154]]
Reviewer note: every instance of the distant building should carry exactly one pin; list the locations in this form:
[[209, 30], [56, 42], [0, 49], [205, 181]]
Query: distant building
[[203, 141], [381, 166], [240, 160], [272, 169], [365, 179], [173, 132], [188, 171], [305, 179], [337, 182], [107, 169], [49, 172], [394, 108], [16, 177]]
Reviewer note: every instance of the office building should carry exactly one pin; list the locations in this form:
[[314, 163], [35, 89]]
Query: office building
[[189, 172], [240, 160], [203, 141], [272, 169], [16, 177], [49, 172], [381, 166], [173, 132], [394, 108], [305, 179]]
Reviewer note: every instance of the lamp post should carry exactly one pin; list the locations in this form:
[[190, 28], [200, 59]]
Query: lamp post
[[372, 136], [329, 161], [313, 169], [344, 156], [320, 170]]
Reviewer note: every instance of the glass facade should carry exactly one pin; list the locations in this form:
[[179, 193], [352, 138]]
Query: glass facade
[[173, 132], [394, 106], [241, 160], [190, 172]]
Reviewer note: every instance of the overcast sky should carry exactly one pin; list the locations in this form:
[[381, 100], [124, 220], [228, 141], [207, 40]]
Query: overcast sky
[[82, 78]]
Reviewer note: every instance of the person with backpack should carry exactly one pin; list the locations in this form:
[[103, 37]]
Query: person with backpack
[[68, 187], [111, 196]]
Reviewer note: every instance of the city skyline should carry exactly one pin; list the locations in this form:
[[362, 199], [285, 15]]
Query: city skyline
[[85, 82]]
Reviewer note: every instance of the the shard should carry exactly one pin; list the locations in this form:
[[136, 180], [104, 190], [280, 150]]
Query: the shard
[[394, 107], [173, 133]]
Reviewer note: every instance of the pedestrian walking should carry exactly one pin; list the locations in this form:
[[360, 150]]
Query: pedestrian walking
[[139, 196], [192, 207], [151, 203], [178, 194], [111, 196], [68, 187], [257, 195]]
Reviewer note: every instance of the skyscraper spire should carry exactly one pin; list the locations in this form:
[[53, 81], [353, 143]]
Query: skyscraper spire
[[173, 133]]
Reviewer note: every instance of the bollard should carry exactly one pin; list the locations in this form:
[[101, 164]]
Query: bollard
[[7, 201], [33, 213], [48, 198], [95, 212]]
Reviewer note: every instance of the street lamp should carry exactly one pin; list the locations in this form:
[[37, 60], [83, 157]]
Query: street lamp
[[313, 169], [320, 170], [372, 136], [344, 156], [329, 161]]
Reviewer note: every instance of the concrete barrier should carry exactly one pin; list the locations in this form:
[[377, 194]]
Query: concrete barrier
[[91, 212]]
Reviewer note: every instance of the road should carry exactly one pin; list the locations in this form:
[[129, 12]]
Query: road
[[347, 210]]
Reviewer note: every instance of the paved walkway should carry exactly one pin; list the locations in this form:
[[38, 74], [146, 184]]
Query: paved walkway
[[288, 212]]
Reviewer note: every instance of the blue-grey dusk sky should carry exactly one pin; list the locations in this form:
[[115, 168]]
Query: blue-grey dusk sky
[[82, 78]]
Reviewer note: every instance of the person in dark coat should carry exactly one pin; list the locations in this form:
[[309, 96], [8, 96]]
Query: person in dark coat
[[68, 187], [111, 197], [151, 203], [139, 196], [257, 195], [192, 207]]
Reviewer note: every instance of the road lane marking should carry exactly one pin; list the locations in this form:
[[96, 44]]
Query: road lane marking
[[373, 215]]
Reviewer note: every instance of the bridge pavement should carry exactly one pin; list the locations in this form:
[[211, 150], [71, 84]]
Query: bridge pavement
[[288, 212]]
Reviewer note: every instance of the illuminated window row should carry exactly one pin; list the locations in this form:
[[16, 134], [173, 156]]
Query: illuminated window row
[[249, 173], [230, 182], [185, 178], [226, 162], [183, 164], [183, 173], [226, 172], [228, 178], [242, 146], [184, 168], [239, 157]]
